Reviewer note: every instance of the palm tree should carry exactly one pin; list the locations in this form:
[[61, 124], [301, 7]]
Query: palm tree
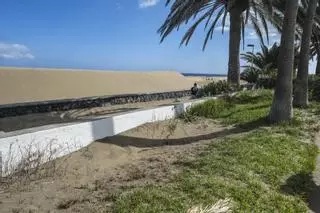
[[315, 50], [281, 109], [250, 75], [210, 12], [260, 63], [315, 44], [266, 59], [264, 62], [318, 65], [301, 85]]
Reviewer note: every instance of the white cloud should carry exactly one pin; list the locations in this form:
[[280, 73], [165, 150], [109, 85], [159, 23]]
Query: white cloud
[[253, 35], [226, 25], [273, 34], [148, 3], [219, 28], [14, 51]]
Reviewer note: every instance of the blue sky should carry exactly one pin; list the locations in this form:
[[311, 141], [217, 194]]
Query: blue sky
[[104, 34]]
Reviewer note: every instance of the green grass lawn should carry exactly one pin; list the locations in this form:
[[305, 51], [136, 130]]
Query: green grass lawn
[[265, 170], [243, 108]]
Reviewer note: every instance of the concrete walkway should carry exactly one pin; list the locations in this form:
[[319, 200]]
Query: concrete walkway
[[77, 115]]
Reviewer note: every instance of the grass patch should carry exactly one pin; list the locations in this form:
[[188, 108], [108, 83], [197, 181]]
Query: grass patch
[[265, 170], [244, 108], [251, 170]]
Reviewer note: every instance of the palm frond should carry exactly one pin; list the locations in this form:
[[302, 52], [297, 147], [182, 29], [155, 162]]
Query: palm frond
[[210, 12]]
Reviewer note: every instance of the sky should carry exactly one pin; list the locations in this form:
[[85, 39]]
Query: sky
[[107, 34]]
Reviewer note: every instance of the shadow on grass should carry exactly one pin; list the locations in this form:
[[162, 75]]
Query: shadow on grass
[[255, 124], [302, 185]]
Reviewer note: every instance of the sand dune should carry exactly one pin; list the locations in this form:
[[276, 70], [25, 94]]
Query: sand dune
[[19, 85]]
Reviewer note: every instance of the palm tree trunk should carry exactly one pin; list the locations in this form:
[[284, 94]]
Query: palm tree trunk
[[234, 47], [318, 65], [281, 109], [301, 86]]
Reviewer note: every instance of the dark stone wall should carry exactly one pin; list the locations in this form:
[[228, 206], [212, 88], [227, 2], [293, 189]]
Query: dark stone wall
[[64, 105]]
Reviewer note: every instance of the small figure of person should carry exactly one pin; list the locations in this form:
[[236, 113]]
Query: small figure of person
[[194, 90]]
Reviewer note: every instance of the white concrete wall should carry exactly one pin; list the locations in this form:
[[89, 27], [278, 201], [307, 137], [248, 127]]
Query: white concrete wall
[[56, 141]]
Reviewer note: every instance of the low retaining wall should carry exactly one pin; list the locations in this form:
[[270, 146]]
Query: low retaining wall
[[68, 104], [56, 141]]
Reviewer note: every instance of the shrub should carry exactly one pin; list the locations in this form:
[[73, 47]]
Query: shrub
[[201, 93], [265, 78], [252, 97], [241, 109], [266, 83], [314, 87], [215, 88], [250, 75], [209, 109]]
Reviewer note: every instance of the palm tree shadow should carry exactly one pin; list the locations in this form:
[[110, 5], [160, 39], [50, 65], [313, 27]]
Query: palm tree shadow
[[303, 185], [141, 142], [255, 124], [124, 141]]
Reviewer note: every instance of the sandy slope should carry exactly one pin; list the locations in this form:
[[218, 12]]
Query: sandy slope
[[27, 84], [87, 180]]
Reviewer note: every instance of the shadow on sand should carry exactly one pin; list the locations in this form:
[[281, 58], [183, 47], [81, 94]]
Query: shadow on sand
[[124, 141]]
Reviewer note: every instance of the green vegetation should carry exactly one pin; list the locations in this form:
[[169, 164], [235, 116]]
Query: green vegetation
[[251, 170], [215, 88], [273, 67], [262, 67], [243, 108], [314, 87], [266, 169]]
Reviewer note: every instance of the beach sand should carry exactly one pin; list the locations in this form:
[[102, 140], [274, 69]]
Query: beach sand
[[19, 85]]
